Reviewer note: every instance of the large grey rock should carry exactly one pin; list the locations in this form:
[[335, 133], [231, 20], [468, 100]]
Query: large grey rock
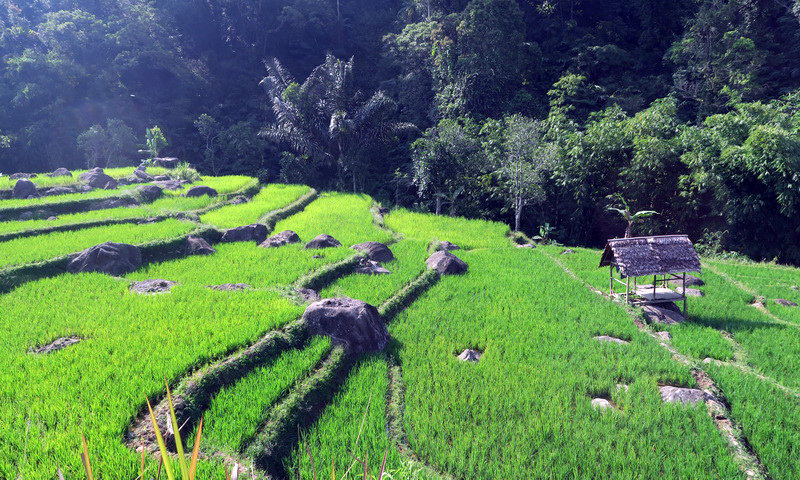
[[664, 313], [280, 239], [370, 267], [354, 324], [375, 251], [166, 162], [58, 191], [691, 292], [162, 178], [608, 339], [142, 175], [153, 286], [24, 188], [256, 232], [17, 176], [785, 303], [61, 172], [97, 178], [691, 281], [112, 203], [446, 263], [470, 355], [323, 241], [111, 258], [691, 396], [149, 192], [200, 190], [168, 183], [198, 246]]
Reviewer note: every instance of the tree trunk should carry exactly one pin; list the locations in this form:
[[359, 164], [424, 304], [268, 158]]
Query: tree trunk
[[438, 204], [629, 230], [354, 181], [517, 218]]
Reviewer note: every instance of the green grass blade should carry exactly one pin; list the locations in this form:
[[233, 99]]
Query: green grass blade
[[161, 445], [178, 443]]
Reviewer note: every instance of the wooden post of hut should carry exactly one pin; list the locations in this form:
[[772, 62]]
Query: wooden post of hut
[[666, 257]]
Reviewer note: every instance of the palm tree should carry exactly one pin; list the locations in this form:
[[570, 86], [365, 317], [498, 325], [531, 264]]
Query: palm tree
[[325, 119], [630, 218]]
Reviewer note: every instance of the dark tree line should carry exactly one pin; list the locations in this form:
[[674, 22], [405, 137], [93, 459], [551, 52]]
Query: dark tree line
[[534, 112]]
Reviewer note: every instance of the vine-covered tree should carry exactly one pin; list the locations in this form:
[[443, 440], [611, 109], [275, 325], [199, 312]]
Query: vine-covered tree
[[102, 146]]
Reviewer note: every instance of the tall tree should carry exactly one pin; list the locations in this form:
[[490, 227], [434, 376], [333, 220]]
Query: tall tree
[[326, 119]]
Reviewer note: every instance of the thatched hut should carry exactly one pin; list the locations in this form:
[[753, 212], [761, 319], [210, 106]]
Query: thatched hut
[[665, 257]]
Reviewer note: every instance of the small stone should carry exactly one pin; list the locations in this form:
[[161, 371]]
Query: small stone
[[601, 404], [238, 200], [153, 286], [200, 190], [691, 396], [606, 338], [446, 263], [370, 267], [256, 232], [785, 303], [165, 178], [57, 344], [692, 292], [447, 246], [198, 246], [795, 287], [470, 355], [663, 335], [323, 241], [691, 281], [526, 245], [568, 251], [50, 192], [52, 218], [229, 287], [308, 294], [280, 239]]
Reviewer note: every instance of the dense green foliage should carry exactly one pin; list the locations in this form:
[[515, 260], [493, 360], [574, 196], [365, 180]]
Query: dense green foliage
[[687, 107]]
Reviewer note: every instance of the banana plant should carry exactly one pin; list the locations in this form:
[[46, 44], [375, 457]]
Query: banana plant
[[630, 217]]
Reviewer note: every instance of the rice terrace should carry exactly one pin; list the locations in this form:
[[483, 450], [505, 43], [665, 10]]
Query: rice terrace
[[436, 347]]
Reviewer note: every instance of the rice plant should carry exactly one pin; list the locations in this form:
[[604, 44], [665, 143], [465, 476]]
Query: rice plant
[[271, 197], [467, 234]]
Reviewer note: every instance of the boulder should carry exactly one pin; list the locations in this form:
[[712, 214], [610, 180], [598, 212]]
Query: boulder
[[58, 191], [24, 188], [323, 241], [142, 175], [17, 176], [375, 251], [36, 214], [97, 178], [692, 292], [168, 184], [256, 232], [229, 287], [111, 185], [446, 263], [198, 246], [280, 239], [370, 267], [163, 178], [665, 313], [785, 303], [153, 286], [110, 258], [683, 395], [83, 188], [238, 200], [354, 324], [111, 203], [470, 355], [61, 172], [691, 281], [166, 162], [52, 218], [149, 193], [606, 338], [601, 404], [200, 190]]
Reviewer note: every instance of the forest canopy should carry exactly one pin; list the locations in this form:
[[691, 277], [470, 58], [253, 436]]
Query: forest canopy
[[545, 114]]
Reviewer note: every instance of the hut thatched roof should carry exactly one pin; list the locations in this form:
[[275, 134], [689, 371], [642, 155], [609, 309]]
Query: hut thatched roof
[[657, 255]]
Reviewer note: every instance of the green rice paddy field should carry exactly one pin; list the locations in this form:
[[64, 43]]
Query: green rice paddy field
[[523, 411]]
